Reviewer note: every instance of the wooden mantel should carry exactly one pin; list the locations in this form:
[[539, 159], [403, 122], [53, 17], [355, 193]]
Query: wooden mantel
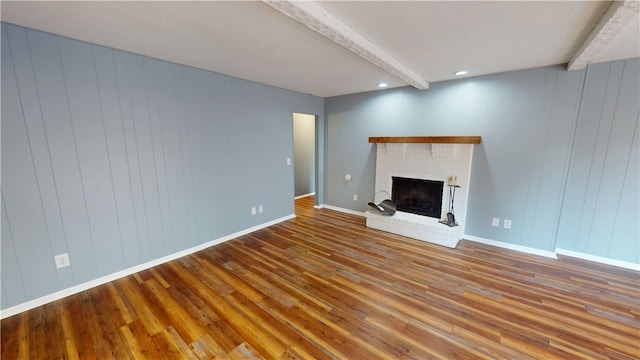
[[425, 139]]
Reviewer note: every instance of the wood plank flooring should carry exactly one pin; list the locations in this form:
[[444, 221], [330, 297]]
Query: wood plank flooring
[[323, 286]]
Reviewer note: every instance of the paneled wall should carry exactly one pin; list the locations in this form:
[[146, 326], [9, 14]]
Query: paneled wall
[[527, 168], [119, 159], [600, 213]]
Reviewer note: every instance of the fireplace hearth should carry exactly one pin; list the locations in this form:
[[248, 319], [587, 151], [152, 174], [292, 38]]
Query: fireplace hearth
[[429, 159]]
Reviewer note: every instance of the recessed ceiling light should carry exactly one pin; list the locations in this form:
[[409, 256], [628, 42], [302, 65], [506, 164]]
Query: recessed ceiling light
[[460, 73], [382, 85]]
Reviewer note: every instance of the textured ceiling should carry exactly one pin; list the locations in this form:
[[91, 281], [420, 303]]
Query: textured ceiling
[[254, 41]]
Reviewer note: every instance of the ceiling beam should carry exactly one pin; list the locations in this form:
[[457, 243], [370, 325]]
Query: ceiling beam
[[319, 20], [610, 25]]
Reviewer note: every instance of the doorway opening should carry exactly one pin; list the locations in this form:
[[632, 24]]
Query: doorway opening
[[304, 157]]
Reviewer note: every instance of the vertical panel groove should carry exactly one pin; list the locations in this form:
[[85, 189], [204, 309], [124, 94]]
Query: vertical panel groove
[[46, 138], [613, 117], [126, 148], [33, 165], [181, 121], [6, 214], [75, 146], [106, 142], [135, 136], [626, 169], [577, 111], [164, 161], [606, 155], [588, 184], [545, 147], [194, 221], [545, 152], [153, 153], [548, 170]]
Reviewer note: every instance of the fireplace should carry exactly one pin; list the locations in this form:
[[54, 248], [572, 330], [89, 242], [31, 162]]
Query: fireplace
[[414, 158], [417, 196]]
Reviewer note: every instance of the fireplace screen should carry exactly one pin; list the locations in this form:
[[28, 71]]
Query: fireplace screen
[[417, 196]]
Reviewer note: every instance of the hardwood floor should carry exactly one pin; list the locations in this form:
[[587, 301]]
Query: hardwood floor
[[324, 286]]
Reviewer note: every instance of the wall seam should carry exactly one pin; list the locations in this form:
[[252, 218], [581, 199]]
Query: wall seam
[[75, 146], [164, 164], [126, 148], [106, 143], [570, 153], [606, 155], [35, 172]]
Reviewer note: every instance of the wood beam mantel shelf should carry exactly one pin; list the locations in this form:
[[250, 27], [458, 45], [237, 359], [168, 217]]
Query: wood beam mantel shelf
[[425, 139]]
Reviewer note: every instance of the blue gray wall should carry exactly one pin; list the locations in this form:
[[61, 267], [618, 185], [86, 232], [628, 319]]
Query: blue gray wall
[[119, 159], [600, 213], [559, 152]]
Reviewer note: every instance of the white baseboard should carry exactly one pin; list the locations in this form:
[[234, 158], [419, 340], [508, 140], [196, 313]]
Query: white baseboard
[[304, 195], [599, 259], [132, 270], [524, 249], [553, 255], [348, 211]]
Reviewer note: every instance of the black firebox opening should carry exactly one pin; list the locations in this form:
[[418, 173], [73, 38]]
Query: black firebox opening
[[417, 196]]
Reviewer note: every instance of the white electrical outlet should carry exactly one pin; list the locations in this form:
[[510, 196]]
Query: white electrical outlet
[[507, 224], [495, 222], [253, 210], [62, 260], [288, 161], [355, 197], [260, 209]]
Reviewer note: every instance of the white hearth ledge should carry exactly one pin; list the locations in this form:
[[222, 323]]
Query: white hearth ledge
[[416, 226]]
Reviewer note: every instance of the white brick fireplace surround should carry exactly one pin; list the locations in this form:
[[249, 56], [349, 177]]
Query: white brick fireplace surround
[[427, 158]]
